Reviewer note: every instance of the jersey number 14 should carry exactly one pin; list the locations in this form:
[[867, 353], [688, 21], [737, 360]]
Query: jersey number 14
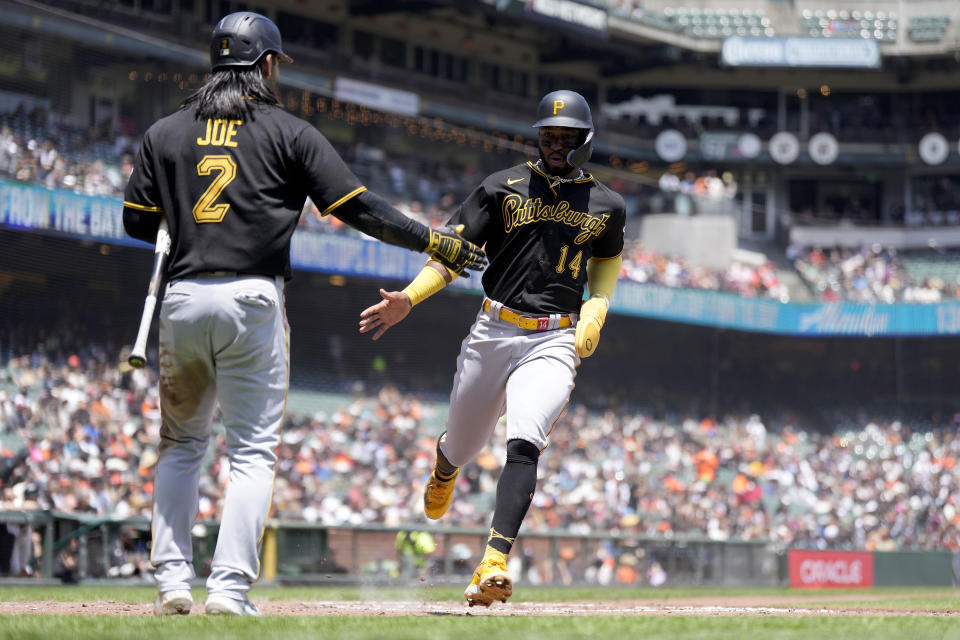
[[574, 264]]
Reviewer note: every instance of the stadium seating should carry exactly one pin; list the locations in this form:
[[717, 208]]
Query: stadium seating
[[718, 22], [875, 274], [932, 266], [747, 477], [845, 23]]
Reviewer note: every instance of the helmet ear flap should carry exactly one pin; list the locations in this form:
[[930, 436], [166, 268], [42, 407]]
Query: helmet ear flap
[[579, 156]]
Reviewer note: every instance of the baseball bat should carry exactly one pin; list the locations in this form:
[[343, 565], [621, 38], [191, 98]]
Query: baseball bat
[[138, 357]]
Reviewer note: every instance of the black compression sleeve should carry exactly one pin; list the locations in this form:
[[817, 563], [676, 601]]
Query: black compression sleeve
[[373, 215], [140, 225], [515, 490]]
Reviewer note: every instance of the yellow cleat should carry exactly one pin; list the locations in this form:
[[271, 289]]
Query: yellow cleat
[[491, 582], [438, 494]]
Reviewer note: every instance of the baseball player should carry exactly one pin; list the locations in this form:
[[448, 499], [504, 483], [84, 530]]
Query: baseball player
[[550, 228], [230, 172]]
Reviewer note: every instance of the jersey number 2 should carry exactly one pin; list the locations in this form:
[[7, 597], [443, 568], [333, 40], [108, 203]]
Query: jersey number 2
[[206, 210], [574, 264]]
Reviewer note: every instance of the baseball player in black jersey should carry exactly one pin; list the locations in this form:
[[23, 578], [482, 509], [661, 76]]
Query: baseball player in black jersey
[[230, 172], [550, 229]]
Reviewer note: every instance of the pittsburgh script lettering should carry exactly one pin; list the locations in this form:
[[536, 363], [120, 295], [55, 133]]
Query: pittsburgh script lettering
[[517, 213]]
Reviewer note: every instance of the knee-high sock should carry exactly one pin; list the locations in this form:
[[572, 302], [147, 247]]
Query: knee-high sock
[[514, 493]]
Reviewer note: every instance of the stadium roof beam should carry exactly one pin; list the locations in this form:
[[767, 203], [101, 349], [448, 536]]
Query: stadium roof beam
[[617, 66], [607, 53], [376, 7]]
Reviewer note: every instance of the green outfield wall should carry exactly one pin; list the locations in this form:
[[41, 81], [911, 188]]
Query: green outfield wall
[[297, 552], [915, 568]]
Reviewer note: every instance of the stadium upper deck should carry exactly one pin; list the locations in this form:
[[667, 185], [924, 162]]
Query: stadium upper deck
[[870, 145]]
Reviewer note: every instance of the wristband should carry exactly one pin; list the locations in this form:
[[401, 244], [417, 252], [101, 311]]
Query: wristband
[[428, 282]]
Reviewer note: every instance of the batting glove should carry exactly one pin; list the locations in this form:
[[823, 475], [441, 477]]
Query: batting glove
[[593, 313], [447, 247]]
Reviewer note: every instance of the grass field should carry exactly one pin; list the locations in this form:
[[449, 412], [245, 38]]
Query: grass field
[[58, 613]]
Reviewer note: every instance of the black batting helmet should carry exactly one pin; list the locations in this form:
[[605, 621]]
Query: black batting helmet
[[241, 39], [565, 108]]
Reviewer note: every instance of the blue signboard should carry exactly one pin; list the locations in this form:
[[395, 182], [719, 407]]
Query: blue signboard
[[34, 209]]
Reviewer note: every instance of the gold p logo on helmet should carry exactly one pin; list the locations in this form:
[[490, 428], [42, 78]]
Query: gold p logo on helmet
[[557, 106]]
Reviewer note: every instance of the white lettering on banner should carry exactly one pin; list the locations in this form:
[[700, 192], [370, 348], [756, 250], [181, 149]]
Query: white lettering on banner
[[697, 306], [25, 208], [106, 219], [830, 318], [831, 572], [572, 12], [800, 52], [377, 97], [355, 256], [736, 51], [768, 315], [726, 310], [948, 318], [68, 214]]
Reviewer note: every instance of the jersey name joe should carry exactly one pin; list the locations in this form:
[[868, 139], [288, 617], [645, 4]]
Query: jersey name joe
[[220, 133], [518, 212]]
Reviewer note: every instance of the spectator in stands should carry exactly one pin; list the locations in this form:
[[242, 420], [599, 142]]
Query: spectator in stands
[[865, 274]]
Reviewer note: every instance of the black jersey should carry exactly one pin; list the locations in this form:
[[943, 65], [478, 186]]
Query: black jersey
[[540, 234], [232, 190]]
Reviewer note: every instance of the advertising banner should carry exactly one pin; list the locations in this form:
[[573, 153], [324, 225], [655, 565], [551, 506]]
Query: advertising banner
[[377, 97], [823, 569], [33, 209], [739, 51], [567, 13]]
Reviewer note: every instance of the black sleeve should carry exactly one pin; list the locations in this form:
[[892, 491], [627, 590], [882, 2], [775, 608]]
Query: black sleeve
[[376, 217], [141, 202], [475, 214], [610, 244], [141, 225], [327, 177]]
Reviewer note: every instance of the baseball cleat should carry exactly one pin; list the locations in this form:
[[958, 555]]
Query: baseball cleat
[[227, 606], [438, 493], [491, 582], [173, 603]]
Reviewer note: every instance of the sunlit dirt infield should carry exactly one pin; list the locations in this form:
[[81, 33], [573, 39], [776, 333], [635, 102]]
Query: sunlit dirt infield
[[780, 605]]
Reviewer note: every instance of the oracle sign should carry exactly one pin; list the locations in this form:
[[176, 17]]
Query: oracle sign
[[818, 569]]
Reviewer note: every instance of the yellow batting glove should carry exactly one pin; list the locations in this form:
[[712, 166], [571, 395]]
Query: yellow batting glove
[[593, 313]]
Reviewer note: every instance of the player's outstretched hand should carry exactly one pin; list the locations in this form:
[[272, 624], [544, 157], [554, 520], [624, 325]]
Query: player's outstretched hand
[[392, 309], [458, 254]]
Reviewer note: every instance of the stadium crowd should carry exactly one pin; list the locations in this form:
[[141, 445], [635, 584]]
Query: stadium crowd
[[866, 274], [81, 436], [743, 279], [42, 147]]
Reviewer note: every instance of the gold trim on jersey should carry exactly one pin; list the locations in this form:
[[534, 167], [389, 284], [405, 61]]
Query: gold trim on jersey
[[610, 258], [142, 207], [586, 177], [339, 202]]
